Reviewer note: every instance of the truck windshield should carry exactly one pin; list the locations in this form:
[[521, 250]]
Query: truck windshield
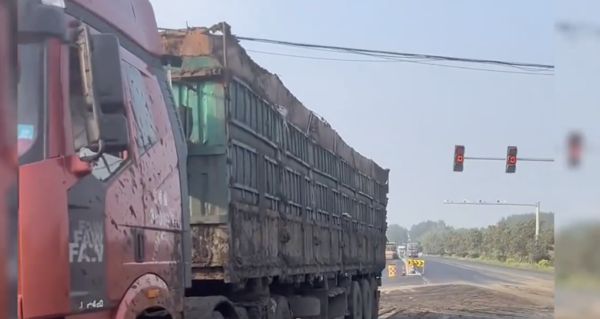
[[30, 128]]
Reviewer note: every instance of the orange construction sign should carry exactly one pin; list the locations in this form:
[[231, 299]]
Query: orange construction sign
[[392, 270]]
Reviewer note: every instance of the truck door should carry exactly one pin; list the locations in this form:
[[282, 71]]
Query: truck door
[[142, 218]]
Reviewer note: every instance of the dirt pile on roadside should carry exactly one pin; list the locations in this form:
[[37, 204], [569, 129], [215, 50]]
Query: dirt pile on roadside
[[465, 301]]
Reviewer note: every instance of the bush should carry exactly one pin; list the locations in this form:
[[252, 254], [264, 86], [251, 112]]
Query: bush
[[511, 240], [474, 255], [538, 253], [544, 263]]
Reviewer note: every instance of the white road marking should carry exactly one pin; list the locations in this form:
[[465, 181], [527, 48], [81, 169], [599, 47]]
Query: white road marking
[[425, 280]]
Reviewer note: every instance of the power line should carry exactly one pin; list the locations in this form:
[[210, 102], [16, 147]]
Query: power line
[[413, 60], [316, 57], [383, 53], [395, 60]]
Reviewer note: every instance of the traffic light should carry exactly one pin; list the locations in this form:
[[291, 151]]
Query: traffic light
[[575, 149], [511, 159], [459, 158]]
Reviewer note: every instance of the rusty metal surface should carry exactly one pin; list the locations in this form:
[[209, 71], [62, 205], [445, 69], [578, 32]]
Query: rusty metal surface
[[196, 42], [210, 246]]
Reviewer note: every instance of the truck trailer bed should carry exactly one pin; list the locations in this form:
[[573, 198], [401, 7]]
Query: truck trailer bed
[[274, 190]]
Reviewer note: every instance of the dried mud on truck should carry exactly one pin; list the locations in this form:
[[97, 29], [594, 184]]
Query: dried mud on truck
[[204, 192], [281, 206]]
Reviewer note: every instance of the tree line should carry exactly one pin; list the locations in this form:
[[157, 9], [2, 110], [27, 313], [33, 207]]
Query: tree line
[[511, 239], [577, 247]]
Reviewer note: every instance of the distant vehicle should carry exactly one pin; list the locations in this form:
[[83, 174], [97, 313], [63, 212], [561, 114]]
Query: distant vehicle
[[401, 250], [412, 250], [391, 251]]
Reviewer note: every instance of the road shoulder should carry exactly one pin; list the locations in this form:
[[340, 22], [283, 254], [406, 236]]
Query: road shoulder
[[461, 301]]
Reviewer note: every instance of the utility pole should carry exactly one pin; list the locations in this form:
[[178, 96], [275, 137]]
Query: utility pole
[[537, 221], [499, 203]]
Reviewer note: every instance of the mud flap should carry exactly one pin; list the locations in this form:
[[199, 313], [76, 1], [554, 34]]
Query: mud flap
[[305, 306]]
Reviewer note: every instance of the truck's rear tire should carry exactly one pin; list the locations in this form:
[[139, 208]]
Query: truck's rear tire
[[367, 299], [217, 315], [355, 303], [282, 310], [375, 292]]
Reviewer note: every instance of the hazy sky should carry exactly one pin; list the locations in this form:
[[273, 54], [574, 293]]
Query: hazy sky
[[408, 117]]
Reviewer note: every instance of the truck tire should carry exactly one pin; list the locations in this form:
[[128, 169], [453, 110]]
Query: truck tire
[[355, 304], [367, 298], [282, 310], [375, 292], [217, 315]]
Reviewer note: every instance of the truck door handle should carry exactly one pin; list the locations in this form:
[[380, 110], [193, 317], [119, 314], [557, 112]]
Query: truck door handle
[[139, 245]]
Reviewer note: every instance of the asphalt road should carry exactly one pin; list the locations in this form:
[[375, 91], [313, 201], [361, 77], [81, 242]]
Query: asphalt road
[[447, 271]]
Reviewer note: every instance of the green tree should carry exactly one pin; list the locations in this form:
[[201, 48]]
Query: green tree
[[396, 233], [418, 231], [511, 238]]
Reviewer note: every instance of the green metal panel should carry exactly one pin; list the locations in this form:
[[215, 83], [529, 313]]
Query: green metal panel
[[199, 63], [207, 165], [207, 101]]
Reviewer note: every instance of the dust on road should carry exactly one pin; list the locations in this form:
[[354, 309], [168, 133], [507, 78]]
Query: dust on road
[[450, 301]]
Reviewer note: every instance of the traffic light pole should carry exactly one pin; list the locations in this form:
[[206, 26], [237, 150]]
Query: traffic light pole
[[511, 158], [536, 205]]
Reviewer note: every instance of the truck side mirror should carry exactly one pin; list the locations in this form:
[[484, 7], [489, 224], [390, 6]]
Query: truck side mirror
[[109, 92], [115, 132]]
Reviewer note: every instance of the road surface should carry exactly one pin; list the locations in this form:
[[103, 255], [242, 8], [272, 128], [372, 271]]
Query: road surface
[[573, 303], [450, 288]]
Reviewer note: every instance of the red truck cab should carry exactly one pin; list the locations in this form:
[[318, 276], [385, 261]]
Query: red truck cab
[[100, 153]]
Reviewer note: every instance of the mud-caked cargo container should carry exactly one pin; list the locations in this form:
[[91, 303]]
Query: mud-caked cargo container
[[282, 209]]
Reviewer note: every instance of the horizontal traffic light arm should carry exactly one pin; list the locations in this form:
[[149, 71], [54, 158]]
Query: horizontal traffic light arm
[[527, 159]]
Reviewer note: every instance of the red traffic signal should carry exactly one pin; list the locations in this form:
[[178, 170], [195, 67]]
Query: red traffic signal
[[575, 149], [511, 159], [459, 158]]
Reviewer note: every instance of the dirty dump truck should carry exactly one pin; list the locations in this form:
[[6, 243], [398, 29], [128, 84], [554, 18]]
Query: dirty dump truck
[[235, 203], [412, 250], [391, 251], [280, 205]]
